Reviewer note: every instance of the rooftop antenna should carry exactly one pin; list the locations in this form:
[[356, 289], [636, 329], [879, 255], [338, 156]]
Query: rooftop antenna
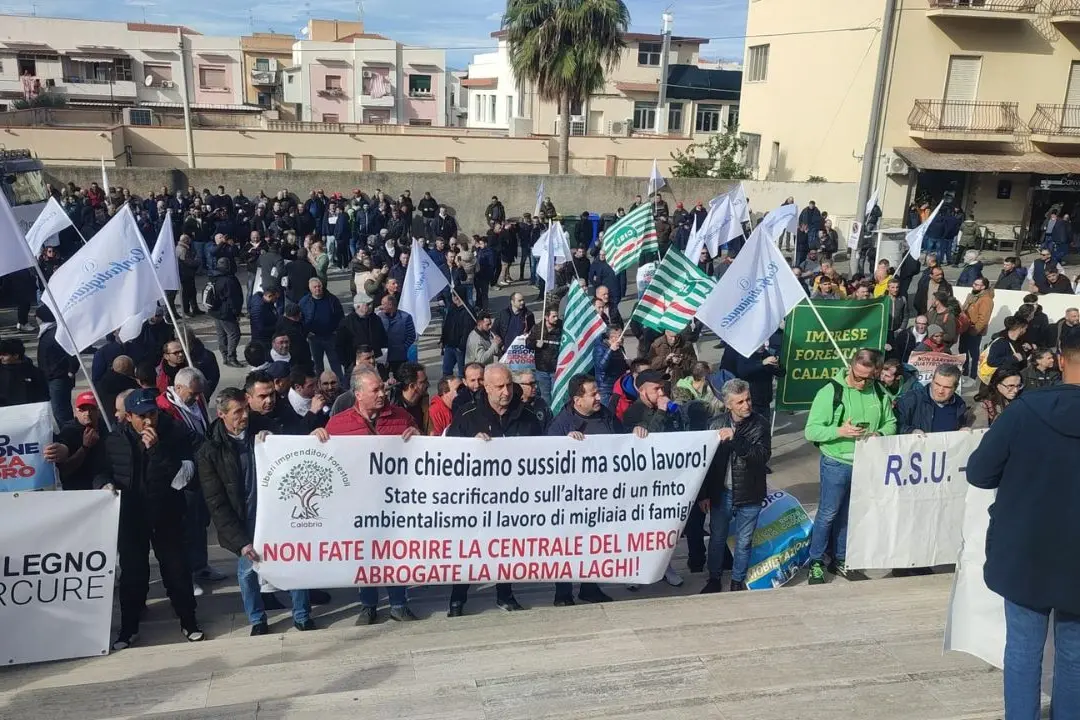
[[360, 10]]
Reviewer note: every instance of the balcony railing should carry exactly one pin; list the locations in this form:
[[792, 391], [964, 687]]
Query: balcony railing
[[1005, 6], [1064, 7], [975, 118], [1056, 120], [263, 77]]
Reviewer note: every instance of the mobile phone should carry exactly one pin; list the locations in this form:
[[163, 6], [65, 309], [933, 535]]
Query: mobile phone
[[863, 425]]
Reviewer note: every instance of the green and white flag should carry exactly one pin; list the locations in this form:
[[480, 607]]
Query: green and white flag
[[633, 234], [581, 327], [678, 289]]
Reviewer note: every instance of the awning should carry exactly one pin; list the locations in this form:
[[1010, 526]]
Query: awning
[[91, 58], [1032, 162], [205, 106], [637, 87], [480, 82]]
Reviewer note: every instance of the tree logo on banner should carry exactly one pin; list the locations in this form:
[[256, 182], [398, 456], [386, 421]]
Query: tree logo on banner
[[307, 479]]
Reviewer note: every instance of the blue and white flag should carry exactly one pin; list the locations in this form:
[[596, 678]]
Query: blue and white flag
[[48, 225], [539, 198], [549, 251], [695, 243], [96, 290], [15, 254], [915, 235], [757, 291], [559, 240], [423, 282], [168, 272]]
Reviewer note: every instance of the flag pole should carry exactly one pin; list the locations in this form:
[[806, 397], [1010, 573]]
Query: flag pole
[[61, 322], [165, 298], [839, 352]]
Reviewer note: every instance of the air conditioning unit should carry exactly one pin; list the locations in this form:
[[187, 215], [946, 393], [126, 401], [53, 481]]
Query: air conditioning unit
[[168, 84], [896, 165], [620, 128], [138, 116]]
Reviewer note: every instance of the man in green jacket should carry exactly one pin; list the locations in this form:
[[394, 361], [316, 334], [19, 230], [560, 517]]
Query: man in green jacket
[[851, 406]]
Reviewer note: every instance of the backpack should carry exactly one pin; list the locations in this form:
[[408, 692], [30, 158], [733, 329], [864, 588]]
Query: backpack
[[986, 370], [209, 296], [963, 324], [838, 399]]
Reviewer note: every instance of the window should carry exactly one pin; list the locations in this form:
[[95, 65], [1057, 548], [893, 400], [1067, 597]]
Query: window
[[264, 100], [645, 116], [212, 78], [774, 160], [576, 108], [758, 67], [674, 117], [479, 108], [121, 68], [733, 118], [160, 73], [139, 116], [708, 118], [289, 79], [752, 151], [491, 111], [649, 53], [509, 108], [330, 117], [420, 85], [419, 122], [27, 65], [262, 64], [333, 82]]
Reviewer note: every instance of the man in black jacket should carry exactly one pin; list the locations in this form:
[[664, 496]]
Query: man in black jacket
[[298, 274], [228, 303], [1011, 277], [151, 459], [58, 367], [584, 415], [544, 340], [20, 381], [744, 451], [496, 412], [360, 328], [292, 325], [457, 325], [227, 474], [1033, 530]]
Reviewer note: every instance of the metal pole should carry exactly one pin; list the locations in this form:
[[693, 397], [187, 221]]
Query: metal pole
[[661, 100], [836, 347], [164, 297], [873, 132], [184, 100]]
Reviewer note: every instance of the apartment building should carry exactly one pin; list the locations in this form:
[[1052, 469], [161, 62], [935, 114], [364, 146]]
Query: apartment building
[[266, 55], [700, 100], [341, 74], [981, 105], [120, 65]]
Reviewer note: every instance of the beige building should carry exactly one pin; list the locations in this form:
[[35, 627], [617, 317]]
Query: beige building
[[981, 104], [700, 101], [266, 55]]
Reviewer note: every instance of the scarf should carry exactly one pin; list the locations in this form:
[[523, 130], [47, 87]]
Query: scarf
[[275, 356], [192, 415], [44, 328]]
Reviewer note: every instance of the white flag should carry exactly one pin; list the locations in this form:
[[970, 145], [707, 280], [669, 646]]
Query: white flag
[[739, 204], [48, 225], [539, 198], [656, 180], [755, 293], [96, 289], [164, 258], [871, 203], [915, 235], [15, 254], [559, 239], [423, 281], [695, 243], [104, 178], [545, 266]]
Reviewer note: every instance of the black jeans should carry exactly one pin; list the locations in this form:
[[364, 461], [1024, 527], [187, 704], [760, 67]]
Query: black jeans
[[482, 289], [162, 528], [460, 593], [189, 297], [565, 591]]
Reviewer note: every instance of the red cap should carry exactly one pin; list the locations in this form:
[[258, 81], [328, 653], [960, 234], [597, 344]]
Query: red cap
[[678, 204], [86, 399]]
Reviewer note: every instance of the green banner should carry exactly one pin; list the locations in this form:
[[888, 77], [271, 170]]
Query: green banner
[[810, 359]]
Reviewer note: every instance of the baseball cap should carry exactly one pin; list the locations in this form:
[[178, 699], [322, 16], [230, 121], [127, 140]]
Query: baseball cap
[[649, 376], [86, 399], [278, 370], [141, 402]]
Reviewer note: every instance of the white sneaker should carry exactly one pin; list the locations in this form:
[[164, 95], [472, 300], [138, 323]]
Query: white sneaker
[[672, 578], [199, 590]]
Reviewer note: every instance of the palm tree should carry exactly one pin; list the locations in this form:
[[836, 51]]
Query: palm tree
[[564, 48]]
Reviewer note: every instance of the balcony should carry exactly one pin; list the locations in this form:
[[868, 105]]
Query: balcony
[[1056, 125], [1065, 13], [264, 77], [75, 88], [1008, 10], [953, 121]]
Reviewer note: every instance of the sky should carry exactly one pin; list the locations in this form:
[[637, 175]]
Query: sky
[[467, 31]]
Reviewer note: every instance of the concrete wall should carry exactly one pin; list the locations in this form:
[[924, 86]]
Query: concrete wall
[[468, 195]]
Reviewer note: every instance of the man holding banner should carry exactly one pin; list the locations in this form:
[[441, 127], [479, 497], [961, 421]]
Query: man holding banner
[[848, 407]]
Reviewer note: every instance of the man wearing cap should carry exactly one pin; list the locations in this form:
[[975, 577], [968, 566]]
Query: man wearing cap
[[151, 460], [281, 373], [280, 347], [83, 437], [291, 324], [20, 381], [361, 328], [654, 411], [265, 309], [933, 342]]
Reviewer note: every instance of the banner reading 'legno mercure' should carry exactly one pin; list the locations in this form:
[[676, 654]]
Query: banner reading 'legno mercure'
[[437, 511]]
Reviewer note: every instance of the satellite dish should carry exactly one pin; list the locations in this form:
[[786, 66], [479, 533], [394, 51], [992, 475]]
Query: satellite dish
[[304, 31], [148, 80]]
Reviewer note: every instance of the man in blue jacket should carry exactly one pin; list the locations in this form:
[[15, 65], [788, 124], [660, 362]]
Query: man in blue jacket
[[321, 314], [936, 407], [1031, 543], [265, 309]]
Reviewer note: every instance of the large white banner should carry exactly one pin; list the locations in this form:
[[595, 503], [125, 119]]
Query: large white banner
[[436, 511], [976, 620], [907, 499], [25, 430], [56, 583], [1006, 303]]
